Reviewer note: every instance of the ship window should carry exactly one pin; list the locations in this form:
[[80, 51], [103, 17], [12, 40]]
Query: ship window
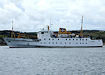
[[66, 39], [69, 39], [69, 42], [86, 39], [76, 43], [41, 42], [80, 43], [52, 42], [52, 39], [82, 39], [9, 41], [49, 38], [44, 42], [65, 42], [49, 42], [58, 39], [42, 32], [73, 39], [56, 42], [86, 43], [44, 39], [76, 39]]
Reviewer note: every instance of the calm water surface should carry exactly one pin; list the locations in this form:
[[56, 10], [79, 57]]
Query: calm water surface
[[52, 61]]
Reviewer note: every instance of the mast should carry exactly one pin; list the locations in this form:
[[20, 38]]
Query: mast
[[49, 25], [81, 33], [12, 33]]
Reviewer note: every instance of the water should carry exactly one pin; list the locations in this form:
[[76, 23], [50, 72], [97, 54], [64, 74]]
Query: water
[[52, 61]]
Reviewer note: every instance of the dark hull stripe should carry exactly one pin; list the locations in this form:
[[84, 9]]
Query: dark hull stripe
[[58, 47]]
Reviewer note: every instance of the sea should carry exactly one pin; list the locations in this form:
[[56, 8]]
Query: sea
[[52, 61]]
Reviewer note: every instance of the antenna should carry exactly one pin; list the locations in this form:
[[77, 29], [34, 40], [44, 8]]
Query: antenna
[[50, 22], [81, 33], [12, 25], [12, 33]]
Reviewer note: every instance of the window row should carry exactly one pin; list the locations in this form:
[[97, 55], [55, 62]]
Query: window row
[[59, 43], [66, 39]]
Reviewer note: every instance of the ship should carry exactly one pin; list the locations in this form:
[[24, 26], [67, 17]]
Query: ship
[[50, 39]]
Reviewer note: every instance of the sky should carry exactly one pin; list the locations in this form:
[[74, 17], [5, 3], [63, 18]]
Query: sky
[[34, 15]]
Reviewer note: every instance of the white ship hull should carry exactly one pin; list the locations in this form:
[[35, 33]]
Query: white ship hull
[[53, 43]]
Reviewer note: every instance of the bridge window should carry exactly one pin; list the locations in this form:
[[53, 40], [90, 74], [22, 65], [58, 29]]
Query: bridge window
[[42, 32], [44, 39]]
